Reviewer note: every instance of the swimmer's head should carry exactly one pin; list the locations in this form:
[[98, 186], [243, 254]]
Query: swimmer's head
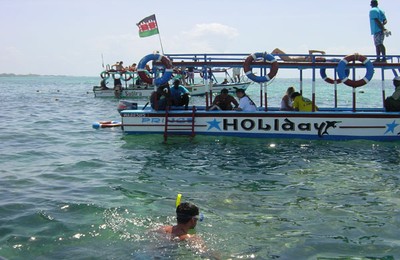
[[186, 211]]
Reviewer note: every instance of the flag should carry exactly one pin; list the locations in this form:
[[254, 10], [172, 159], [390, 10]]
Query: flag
[[148, 26]]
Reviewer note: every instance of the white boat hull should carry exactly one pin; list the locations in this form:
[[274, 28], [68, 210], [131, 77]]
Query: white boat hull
[[342, 125]]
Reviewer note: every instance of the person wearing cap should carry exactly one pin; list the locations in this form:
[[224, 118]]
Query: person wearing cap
[[392, 103], [179, 95], [377, 20], [245, 102], [224, 101]]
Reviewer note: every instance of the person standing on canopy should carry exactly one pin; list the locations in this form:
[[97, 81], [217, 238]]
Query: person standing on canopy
[[377, 21]]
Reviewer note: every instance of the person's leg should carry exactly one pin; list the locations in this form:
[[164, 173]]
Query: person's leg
[[379, 47], [383, 51], [185, 100], [281, 54]]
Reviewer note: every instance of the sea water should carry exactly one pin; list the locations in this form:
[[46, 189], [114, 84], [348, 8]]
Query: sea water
[[69, 191]]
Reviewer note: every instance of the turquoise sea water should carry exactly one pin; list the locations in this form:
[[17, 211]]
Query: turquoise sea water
[[69, 191]]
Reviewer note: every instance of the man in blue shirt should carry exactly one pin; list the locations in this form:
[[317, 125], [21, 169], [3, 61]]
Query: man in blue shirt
[[377, 21], [179, 95]]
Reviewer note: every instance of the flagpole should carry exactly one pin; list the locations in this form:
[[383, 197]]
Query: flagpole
[[159, 37]]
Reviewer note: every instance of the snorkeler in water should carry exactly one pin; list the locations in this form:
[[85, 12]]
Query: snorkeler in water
[[187, 216]]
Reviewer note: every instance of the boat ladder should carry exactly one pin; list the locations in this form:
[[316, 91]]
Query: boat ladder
[[179, 127]]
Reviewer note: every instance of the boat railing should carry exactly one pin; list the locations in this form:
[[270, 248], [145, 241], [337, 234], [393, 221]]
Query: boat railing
[[313, 62]]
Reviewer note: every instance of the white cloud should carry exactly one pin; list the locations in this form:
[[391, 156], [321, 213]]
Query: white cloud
[[211, 29], [211, 37]]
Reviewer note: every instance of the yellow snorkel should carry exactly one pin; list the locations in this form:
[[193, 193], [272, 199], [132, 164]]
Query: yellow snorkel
[[178, 200]]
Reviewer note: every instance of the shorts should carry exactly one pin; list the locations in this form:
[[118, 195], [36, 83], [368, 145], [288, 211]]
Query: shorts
[[190, 74], [378, 38]]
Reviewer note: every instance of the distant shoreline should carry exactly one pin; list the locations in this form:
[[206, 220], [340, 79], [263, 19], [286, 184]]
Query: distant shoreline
[[11, 75]]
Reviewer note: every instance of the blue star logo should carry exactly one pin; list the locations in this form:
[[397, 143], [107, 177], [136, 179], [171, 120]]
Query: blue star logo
[[214, 124], [391, 127]]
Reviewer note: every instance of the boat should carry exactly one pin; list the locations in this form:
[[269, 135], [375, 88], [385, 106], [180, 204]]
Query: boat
[[328, 123], [131, 91], [131, 87]]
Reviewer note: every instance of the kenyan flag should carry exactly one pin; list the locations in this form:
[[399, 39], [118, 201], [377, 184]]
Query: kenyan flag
[[148, 26]]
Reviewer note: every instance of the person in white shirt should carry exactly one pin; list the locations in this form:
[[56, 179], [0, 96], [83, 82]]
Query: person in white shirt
[[245, 102]]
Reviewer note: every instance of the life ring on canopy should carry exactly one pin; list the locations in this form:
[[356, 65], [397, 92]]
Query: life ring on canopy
[[322, 72], [104, 75], [249, 60], [341, 69], [126, 75], [159, 58], [114, 75]]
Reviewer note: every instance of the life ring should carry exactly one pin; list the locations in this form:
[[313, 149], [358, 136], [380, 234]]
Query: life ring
[[159, 58], [116, 75], [126, 75], [322, 72], [341, 69], [266, 56], [104, 124], [104, 75]]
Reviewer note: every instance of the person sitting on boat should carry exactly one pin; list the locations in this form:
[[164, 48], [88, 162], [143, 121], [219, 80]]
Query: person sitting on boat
[[160, 98], [392, 103], [286, 102], [301, 103], [225, 81], [118, 66], [179, 95], [132, 67], [103, 84], [224, 101], [308, 58], [245, 102]]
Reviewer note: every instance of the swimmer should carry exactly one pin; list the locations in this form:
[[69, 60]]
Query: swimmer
[[187, 216]]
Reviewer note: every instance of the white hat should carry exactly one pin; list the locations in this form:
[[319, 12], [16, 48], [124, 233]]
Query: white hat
[[397, 78]]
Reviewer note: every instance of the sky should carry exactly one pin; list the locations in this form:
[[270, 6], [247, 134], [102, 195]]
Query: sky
[[73, 37]]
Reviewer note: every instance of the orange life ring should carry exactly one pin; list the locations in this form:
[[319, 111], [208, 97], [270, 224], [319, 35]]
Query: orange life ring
[[155, 57], [329, 80], [341, 69], [260, 55]]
